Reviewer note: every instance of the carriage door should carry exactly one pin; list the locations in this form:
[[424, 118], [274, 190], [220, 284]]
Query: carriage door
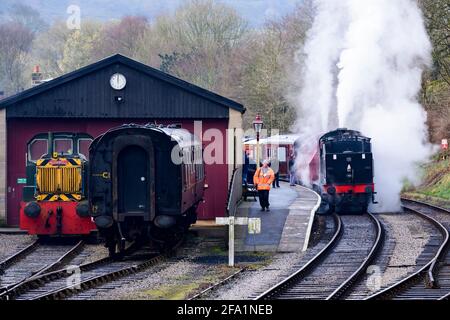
[[133, 180]]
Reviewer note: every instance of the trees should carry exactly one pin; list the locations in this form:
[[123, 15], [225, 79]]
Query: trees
[[263, 81], [197, 42], [15, 44], [59, 50], [17, 31], [437, 17], [80, 46], [436, 82], [48, 49], [268, 70], [27, 17], [124, 36]]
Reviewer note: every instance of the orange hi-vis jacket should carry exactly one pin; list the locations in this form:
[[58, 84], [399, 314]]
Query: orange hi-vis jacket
[[263, 181]]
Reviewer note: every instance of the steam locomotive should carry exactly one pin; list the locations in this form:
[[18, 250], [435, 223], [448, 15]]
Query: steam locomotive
[[54, 200], [145, 183], [343, 172]]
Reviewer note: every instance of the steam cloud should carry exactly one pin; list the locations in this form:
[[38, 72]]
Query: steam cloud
[[361, 68]]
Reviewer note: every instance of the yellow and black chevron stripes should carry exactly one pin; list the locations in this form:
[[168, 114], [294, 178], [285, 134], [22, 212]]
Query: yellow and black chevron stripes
[[58, 197], [68, 162], [59, 178]]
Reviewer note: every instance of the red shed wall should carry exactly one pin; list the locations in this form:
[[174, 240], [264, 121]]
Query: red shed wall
[[20, 131]]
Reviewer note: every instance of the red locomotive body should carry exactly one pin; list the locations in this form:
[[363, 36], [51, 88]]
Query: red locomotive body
[[56, 218]]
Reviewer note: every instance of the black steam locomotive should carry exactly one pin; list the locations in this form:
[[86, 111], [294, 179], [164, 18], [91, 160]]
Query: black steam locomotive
[[345, 179], [145, 183]]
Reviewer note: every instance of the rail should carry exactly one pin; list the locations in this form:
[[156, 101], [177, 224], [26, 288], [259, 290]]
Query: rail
[[234, 191], [314, 264], [426, 272], [310, 265], [344, 287]]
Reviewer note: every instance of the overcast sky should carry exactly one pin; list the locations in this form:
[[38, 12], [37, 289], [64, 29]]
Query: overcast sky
[[255, 11]]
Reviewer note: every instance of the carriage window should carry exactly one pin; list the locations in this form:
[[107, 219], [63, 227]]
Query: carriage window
[[63, 146], [37, 149], [282, 154], [83, 147]]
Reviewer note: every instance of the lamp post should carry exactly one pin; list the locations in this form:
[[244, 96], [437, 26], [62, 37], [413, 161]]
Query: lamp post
[[257, 125]]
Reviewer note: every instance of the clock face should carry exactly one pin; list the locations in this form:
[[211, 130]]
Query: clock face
[[118, 81]]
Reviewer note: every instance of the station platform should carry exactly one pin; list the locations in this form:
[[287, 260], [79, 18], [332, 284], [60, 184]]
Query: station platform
[[11, 230], [286, 227]]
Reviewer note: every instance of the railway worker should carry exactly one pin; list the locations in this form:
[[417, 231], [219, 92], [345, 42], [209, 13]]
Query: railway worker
[[262, 179]]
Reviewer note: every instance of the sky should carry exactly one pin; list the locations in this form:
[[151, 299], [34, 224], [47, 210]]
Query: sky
[[255, 11]]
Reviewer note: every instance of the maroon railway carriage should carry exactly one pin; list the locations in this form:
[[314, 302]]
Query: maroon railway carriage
[[145, 183]]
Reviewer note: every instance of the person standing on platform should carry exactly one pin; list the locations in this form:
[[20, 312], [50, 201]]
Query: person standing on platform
[[245, 168], [275, 166], [292, 177], [262, 180]]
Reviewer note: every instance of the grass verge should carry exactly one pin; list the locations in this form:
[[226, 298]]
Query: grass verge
[[435, 186]]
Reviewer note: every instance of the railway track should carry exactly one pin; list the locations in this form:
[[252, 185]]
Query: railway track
[[98, 275], [390, 263], [432, 280], [217, 285], [76, 280], [332, 271], [327, 225], [34, 260]]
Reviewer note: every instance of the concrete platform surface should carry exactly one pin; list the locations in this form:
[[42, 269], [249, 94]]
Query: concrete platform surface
[[286, 228], [12, 230]]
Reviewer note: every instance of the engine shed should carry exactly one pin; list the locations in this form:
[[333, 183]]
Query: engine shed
[[106, 94]]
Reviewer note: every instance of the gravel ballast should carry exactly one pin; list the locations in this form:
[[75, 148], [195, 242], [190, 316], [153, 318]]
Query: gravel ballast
[[410, 240], [11, 243], [410, 237], [202, 261]]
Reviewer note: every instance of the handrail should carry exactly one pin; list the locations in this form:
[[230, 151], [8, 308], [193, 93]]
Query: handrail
[[234, 191]]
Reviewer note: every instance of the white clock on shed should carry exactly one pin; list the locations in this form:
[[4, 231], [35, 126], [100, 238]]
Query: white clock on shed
[[118, 81]]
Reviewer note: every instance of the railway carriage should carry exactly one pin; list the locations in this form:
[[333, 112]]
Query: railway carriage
[[145, 183], [54, 201]]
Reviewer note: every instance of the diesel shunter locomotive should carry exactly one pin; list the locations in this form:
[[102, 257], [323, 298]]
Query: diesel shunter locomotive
[[145, 184], [345, 179], [54, 201]]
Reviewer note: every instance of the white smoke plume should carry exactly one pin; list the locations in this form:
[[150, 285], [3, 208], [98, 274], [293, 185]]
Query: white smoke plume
[[361, 69]]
